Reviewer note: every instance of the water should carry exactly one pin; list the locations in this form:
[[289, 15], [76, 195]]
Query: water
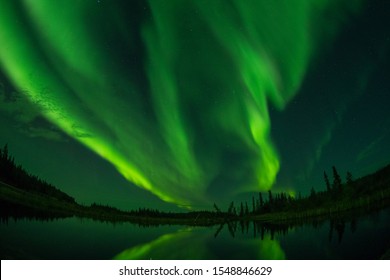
[[367, 237]]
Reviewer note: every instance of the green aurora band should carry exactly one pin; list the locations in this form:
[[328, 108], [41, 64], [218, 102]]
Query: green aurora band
[[199, 246], [181, 109]]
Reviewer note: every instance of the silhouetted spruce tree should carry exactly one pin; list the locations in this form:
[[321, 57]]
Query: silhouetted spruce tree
[[217, 208], [234, 211], [270, 198], [231, 209], [253, 205], [241, 210], [312, 193], [246, 209], [349, 178], [326, 178], [337, 184], [257, 206], [261, 200]]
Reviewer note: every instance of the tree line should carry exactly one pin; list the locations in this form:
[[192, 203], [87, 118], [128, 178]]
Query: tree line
[[336, 192], [16, 176]]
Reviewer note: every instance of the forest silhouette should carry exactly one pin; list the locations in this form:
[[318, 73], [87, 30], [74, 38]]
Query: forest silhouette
[[23, 195]]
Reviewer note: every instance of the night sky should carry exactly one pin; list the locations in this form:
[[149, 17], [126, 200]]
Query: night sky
[[185, 103]]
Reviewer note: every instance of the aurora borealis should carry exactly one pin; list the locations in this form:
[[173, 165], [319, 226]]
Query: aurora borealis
[[198, 101], [197, 246]]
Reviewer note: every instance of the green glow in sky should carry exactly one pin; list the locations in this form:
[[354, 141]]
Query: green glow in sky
[[185, 116]]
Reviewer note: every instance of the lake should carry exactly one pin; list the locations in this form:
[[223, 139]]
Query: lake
[[366, 237]]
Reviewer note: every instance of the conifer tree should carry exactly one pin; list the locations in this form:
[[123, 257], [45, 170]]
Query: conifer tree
[[270, 198], [241, 210], [326, 178], [349, 178], [246, 209], [217, 208], [312, 192], [336, 179], [261, 200]]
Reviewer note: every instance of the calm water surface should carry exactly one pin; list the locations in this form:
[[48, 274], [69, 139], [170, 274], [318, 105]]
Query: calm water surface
[[72, 238]]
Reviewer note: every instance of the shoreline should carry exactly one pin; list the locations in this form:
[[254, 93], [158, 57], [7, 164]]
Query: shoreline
[[19, 202]]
